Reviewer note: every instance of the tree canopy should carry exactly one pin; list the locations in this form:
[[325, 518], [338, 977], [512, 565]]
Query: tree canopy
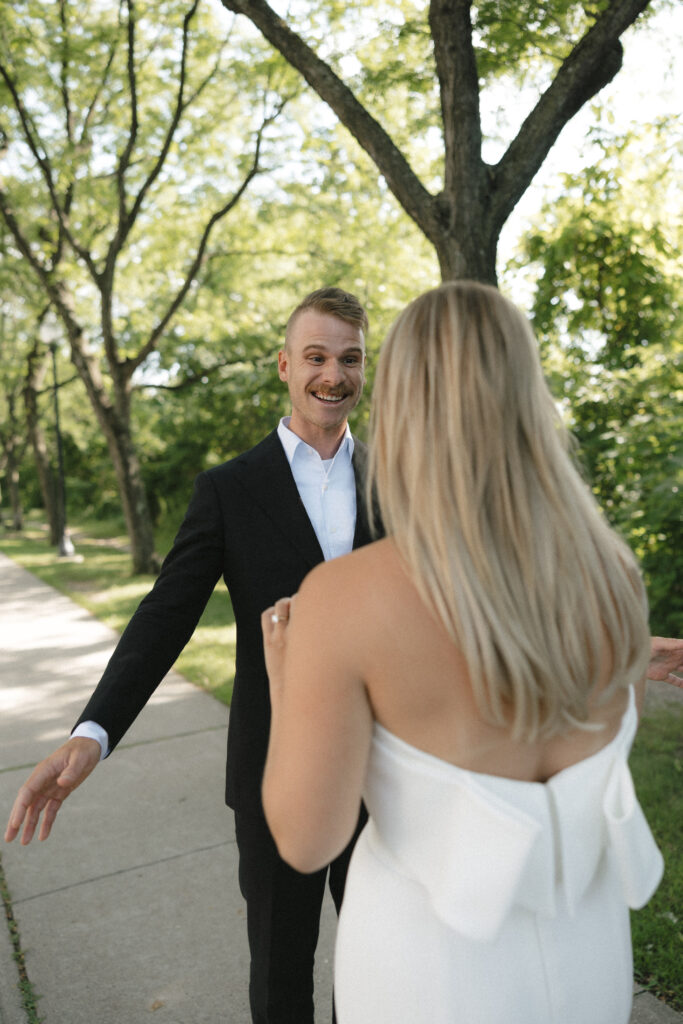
[[457, 46], [105, 109], [127, 130]]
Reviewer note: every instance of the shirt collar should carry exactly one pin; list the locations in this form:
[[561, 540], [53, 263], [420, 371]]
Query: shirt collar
[[291, 441]]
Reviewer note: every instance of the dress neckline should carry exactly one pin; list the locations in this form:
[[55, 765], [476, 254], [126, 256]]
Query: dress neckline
[[397, 745]]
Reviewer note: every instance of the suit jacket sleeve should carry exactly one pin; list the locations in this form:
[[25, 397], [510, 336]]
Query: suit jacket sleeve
[[165, 619]]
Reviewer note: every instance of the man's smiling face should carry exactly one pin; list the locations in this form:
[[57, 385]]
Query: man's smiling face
[[323, 365]]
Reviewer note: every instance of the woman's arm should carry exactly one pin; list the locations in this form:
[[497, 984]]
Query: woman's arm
[[321, 720]]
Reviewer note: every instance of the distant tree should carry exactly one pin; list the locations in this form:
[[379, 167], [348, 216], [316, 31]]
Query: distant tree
[[128, 140], [12, 445], [315, 219], [13, 349]]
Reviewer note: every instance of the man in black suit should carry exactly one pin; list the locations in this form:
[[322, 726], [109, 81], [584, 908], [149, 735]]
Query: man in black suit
[[262, 521]]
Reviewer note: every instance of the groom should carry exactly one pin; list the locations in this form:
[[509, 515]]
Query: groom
[[262, 521]]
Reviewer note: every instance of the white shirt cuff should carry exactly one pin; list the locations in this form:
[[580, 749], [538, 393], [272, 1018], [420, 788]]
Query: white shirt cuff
[[93, 731]]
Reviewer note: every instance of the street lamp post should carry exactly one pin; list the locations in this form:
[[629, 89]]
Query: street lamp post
[[65, 546]]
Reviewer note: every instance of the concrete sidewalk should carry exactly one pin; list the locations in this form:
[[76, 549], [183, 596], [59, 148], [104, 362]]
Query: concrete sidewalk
[[132, 907]]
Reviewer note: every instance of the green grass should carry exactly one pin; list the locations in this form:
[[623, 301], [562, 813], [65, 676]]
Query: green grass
[[103, 584], [657, 766], [27, 993]]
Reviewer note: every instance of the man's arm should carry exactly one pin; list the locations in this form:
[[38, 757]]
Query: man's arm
[[157, 632], [165, 619], [48, 786], [666, 660]]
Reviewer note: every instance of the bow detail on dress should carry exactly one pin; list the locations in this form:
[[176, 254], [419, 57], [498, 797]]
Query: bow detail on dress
[[503, 842]]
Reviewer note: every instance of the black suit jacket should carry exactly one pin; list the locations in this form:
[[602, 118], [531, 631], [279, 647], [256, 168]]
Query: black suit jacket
[[247, 523]]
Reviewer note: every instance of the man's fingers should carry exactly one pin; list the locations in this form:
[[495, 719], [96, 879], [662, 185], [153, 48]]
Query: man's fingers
[[48, 819], [32, 818], [18, 814], [49, 784], [12, 830]]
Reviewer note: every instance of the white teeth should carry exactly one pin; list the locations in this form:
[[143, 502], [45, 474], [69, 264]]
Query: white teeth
[[329, 398]]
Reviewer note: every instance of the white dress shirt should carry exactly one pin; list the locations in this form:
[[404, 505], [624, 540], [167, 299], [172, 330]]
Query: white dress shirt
[[328, 490]]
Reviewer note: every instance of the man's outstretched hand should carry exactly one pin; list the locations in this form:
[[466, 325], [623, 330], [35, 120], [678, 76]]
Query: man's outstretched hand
[[666, 660], [49, 785]]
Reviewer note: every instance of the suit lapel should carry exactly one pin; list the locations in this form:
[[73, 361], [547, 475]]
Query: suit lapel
[[266, 475], [361, 534]]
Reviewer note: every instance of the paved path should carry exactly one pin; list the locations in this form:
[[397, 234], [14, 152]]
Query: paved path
[[131, 911]]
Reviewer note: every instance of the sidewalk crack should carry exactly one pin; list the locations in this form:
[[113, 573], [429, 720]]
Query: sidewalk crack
[[123, 871]]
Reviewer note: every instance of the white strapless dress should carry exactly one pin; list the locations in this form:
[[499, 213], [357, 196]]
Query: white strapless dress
[[475, 899]]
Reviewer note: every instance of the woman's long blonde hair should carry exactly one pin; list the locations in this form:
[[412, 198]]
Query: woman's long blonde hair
[[470, 465]]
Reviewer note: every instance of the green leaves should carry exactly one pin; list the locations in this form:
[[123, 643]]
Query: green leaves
[[606, 310]]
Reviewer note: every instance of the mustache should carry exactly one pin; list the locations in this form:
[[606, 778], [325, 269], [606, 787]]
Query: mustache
[[331, 392]]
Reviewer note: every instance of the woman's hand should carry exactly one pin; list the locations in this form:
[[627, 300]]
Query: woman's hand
[[275, 626]]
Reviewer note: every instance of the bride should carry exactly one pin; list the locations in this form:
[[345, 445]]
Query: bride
[[476, 678]]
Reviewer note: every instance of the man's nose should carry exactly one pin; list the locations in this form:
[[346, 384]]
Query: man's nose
[[333, 373]]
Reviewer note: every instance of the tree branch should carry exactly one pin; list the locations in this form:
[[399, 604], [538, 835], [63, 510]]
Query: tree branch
[[127, 218], [63, 74], [23, 244], [39, 152], [401, 179], [124, 159], [83, 139], [593, 62], [180, 107], [151, 343], [456, 66], [52, 287], [208, 79], [193, 378]]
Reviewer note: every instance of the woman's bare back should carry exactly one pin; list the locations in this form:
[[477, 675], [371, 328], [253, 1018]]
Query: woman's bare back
[[418, 684]]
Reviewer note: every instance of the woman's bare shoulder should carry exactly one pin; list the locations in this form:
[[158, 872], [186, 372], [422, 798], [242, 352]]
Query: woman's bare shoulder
[[354, 584], [379, 556]]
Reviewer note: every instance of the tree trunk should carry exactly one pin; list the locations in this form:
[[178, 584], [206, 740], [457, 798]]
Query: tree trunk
[[35, 378], [15, 495], [464, 241], [133, 494], [12, 444], [117, 433], [114, 419]]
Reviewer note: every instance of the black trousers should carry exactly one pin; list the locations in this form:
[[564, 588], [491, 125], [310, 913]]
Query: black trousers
[[283, 921]]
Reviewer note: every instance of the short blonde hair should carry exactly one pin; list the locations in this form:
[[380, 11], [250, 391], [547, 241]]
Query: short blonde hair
[[470, 465], [334, 302]]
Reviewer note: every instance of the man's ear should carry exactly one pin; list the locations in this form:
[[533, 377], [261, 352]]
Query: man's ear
[[282, 364]]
